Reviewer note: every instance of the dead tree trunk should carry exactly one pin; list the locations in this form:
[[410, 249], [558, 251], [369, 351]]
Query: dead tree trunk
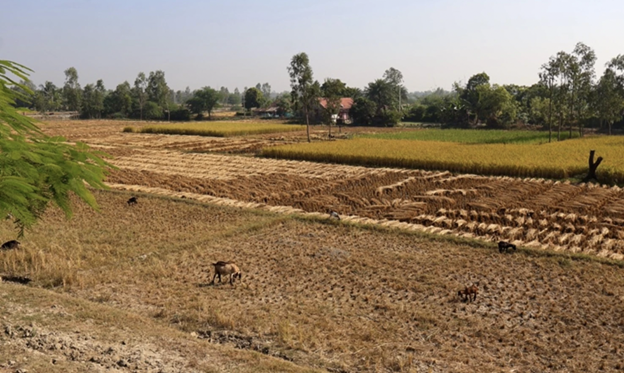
[[592, 167]]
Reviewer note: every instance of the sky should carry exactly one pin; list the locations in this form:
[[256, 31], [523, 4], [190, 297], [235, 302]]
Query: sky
[[238, 43]]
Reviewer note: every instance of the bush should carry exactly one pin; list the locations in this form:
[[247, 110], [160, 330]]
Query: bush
[[152, 111], [415, 113], [128, 129], [181, 114], [388, 118]]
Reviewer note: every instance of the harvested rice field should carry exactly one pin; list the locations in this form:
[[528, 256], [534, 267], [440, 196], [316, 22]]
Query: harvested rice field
[[533, 212], [315, 294], [376, 291], [108, 134], [537, 213]]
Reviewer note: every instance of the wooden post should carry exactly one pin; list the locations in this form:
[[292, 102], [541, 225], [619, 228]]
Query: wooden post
[[592, 167]]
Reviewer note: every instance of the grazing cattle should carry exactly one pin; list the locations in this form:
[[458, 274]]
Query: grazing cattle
[[503, 246], [469, 293], [334, 215], [226, 268], [132, 201], [9, 245]]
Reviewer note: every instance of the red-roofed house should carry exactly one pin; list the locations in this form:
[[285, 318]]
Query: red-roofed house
[[345, 106]]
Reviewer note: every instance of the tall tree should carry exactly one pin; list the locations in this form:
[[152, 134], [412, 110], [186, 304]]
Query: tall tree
[[178, 97], [49, 97], [100, 95], [92, 104], [608, 99], [157, 89], [71, 91], [582, 76], [561, 101], [382, 93], [235, 98], [120, 100], [140, 94], [266, 90], [496, 105], [353, 92], [88, 105], [253, 98], [492, 104], [334, 87], [39, 171], [304, 92], [332, 91], [617, 65], [224, 95], [284, 105], [395, 78], [548, 76], [471, 95], [205, 99]]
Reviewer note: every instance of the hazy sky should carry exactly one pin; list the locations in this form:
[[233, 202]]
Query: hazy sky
[[238, 43]]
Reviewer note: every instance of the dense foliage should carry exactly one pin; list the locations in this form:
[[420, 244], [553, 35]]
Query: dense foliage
[[567, 96], [38, 170]]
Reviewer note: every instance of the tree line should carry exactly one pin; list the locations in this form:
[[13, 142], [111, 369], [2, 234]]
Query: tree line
[[149, 97], [567, 97]]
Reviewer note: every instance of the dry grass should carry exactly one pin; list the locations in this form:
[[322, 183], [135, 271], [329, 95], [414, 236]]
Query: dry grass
[[221, 129], [558, 160], [333, 295], [52, 332]]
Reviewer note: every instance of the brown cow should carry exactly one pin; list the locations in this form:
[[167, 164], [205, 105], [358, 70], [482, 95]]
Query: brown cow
[[226, 268], [469, 293]]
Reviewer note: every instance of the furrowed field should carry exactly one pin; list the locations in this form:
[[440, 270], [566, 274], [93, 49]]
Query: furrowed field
[[132, 284], [221, 129], [128, 288], [557, 160]]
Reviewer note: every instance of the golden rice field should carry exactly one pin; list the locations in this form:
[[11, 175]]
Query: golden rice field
[[557, 160], [221, 129]]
